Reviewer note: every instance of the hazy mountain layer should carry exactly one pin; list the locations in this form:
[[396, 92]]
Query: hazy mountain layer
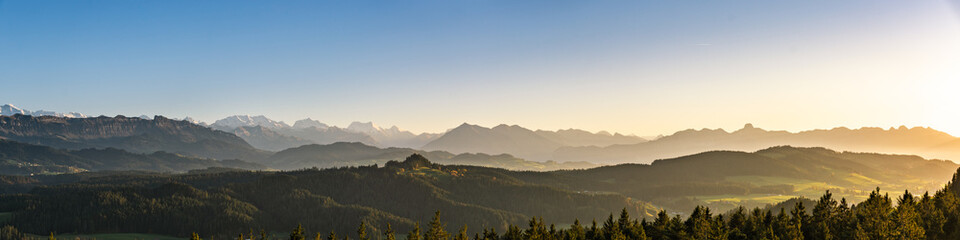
[[724, 179], [515, 140], [131, 134], [263, 138], [920, 141], [358, 154], [393, 136]]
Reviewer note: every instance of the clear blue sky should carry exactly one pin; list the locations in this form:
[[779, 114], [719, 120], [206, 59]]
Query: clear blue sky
[[643, 67]]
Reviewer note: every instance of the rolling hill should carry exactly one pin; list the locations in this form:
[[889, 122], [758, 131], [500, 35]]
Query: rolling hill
[[344, 154]]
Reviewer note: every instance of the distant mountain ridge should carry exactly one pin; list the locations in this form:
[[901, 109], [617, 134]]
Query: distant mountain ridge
[[10, 110], [343, 154], [129, 133], [926, 142], [515, 140], [26, 159], [277, 135]]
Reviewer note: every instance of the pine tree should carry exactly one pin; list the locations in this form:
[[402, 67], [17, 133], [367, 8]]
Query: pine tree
[[415, 233], [390, 235], [907, 220], [297, 233], [797, 216], [513, 233], [575, 232], [332, 236], [874, 216], [823, 218], [362, 231], [436, 231], [462, 235], [737, 225]]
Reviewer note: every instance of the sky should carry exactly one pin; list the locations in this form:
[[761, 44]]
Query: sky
[[634, 67]]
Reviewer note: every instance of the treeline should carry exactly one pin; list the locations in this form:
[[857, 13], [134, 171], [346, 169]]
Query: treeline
[[913, 217]]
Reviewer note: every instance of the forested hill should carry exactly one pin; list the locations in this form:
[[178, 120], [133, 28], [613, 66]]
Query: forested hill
[[356, 154], [726, 179], [400, 193], [132, 134], [26, 159]]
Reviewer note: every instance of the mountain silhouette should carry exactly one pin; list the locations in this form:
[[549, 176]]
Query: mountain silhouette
[[926, 142]]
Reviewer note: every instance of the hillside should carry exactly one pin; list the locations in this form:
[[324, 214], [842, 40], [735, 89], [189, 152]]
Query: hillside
[[131, 134], [925, 142], [26, 159], [400, 193], [724, 179], [358, 154]]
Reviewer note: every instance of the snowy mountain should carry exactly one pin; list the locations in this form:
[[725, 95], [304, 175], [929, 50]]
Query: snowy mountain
[[309, 123], [10, 110], [232, 122], [393, 136]]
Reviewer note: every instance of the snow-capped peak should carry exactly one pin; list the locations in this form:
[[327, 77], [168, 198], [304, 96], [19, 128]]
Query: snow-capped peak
[[236, 121], [9, 110], [309, 123], [367, 127]]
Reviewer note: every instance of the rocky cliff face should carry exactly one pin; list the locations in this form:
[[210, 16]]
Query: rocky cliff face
[[128, 133]]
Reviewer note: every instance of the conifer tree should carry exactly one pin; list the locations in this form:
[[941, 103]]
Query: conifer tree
[[390, 235], [797, 216], [297, 233], [462, 235], [415, 233], [907, 222], [332, 236], [513, 233], [822, 219], [362, 231], [436, 231], [576, 231]]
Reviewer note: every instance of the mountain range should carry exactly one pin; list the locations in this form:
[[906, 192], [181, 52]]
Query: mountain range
[[925, 142], [132, 134], [267, 134], [10, 110], [521, 142]]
